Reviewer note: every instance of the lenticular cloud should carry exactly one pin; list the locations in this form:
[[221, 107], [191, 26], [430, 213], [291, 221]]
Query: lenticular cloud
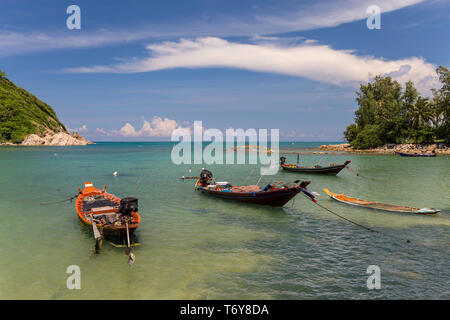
[[308, 59]]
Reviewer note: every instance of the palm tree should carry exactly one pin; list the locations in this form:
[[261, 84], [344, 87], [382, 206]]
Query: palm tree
[[437, 115], [421, 113]]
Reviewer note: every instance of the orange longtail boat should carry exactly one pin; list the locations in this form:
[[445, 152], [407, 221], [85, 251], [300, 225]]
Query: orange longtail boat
[[377, 205], [111, 214]]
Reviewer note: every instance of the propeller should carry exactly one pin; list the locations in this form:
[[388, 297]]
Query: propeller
[[131, 256], [97, 236]]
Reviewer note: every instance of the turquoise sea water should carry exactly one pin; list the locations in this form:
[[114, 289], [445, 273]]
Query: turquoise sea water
[[198, 247]]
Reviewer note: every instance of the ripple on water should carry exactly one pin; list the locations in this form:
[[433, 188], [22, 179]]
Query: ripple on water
[[195, 247]]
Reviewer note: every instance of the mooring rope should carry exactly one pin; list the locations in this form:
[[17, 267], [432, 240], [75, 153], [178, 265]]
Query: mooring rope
[[60, 201], [136, 187], [251, 172], [360, 175], [259, 180], [293, 202]]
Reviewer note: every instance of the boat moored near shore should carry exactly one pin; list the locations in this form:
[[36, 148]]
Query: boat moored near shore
[[425, 155], [331, 169], [377, 205], [270, 195], [114, 216]]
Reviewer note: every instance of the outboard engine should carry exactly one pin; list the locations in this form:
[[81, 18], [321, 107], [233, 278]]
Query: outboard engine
[[282, 160], [205, 177], [128, 205]]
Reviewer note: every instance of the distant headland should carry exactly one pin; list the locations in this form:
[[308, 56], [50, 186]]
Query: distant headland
[[26, 120]]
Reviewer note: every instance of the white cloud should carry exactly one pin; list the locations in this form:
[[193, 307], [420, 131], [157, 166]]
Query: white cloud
[[13, 42], [323, 14], [309, 60], [82, 129], [294, 134], [280, 18], [157, 127], [128, 131], [163, 128], [100, 130]]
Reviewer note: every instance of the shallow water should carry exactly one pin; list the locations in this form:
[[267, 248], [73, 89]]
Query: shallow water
[[197, 247]]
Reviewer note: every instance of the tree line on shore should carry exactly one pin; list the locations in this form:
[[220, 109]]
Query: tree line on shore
[[389, 113]]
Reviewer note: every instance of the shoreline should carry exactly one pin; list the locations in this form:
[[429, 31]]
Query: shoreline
[[438, 148], [50, 139], [64, 139]]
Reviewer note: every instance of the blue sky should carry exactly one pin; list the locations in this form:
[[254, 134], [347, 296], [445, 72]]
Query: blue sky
[[138, 69]]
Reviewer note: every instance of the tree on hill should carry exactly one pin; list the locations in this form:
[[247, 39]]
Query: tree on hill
[[388, 113], [21, 113]]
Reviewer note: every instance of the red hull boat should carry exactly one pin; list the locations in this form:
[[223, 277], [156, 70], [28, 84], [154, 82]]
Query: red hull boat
[[270, 195]]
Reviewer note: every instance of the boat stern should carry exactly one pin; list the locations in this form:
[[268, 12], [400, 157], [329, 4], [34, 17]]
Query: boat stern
[[428, 210]]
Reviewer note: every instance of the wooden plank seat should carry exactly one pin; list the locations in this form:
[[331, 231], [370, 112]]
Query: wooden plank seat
[[102, 210], [95, 215]]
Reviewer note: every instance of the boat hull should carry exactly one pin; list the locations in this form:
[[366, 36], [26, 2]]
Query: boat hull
[[334, 170], [416, 155], [277, 198]]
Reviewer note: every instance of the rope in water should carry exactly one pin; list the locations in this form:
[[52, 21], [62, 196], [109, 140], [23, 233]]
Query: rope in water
[[60, 201], [136, 187], [259, 180], [251, 173], [356, 223], [360, 175]]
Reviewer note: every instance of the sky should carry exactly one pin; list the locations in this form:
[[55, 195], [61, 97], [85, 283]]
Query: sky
[[137, 70]]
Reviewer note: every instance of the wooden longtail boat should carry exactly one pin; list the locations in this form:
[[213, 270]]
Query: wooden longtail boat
[[426, 155], [108, 212], [379, 206], [332, 169], [270, 195]]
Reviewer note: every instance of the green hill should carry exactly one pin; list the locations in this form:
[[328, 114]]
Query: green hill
[[21, 113]]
